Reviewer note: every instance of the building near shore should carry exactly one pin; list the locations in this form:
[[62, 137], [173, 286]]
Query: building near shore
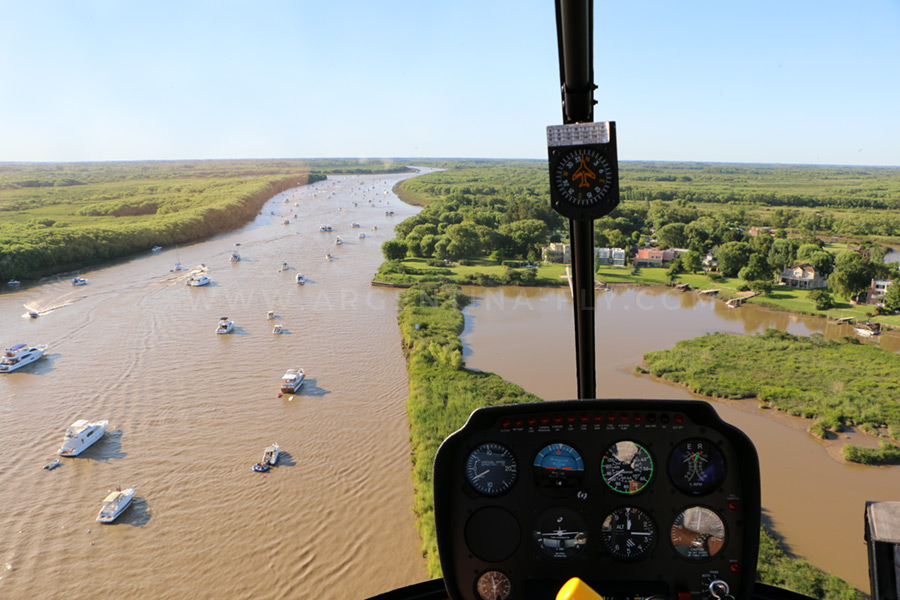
[[803, 276]]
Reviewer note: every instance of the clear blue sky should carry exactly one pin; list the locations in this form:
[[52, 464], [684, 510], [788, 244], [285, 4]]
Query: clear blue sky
[[785, 81]]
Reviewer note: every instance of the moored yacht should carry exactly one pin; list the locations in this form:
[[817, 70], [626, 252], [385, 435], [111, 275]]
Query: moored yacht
[[115, 504], [20, 355], [270, 456], [292, 381], [81, 435], [225, 325]]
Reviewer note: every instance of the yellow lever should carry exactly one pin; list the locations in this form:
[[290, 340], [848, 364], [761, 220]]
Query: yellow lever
[[576, 589]]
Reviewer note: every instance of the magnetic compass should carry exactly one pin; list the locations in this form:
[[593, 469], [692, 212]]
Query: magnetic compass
[[584, 176]]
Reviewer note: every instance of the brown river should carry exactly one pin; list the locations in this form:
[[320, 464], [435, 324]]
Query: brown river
[[191, 411]]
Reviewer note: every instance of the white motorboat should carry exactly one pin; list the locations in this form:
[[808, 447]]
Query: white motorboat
[[868, 328], [115, 504], [235, 256], [362, 235], [79, 281], [20, 355], [354, 225], [81, 435], [13, 282], [177, 267], [270, 314], [156, 249], [328, 256], [292, 380], [278, 329], [270, 456], [338, 241], [300, 278], [33, 314], [197, 280], [324, 228], [225, 326]]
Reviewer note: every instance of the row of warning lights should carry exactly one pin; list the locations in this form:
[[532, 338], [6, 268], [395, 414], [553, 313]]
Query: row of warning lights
[[608, 417]]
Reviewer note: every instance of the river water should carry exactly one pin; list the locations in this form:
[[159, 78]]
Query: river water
[[191, 411], [812, 501]]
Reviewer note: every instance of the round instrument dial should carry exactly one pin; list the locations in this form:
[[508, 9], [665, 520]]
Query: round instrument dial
[[558, 468], [491, 469], [627, 467], [583, 177], [698, 533], [560, 533], [696, 466], [493, 585], [628, 533]]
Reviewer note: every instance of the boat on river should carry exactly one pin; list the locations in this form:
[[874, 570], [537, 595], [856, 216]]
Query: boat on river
[[156, 249], [13, 282], [278, 329], [300, 278], [867, 328], [20, 355], [225, 326], [235, 256], [338, 241], [81, 435], [115, 504], [324, 228], [292, 381], [197, 280], [52, 465], [79, 281], [270, 457]]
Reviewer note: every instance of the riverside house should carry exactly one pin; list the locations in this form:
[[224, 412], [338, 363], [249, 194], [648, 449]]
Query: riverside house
[[803, 276]]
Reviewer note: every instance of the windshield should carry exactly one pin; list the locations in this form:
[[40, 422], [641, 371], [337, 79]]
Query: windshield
[[373, 147]]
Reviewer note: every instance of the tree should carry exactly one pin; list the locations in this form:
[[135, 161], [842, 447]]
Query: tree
[[851, 276], [672, 235], [692, 261], [732, 257], [892, 296], [822, 260], [757, 269], [394, 250], [464, 240], [822, 298], [782, 254]]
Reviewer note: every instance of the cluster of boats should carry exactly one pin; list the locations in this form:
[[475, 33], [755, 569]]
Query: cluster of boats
[[269, 459], [81, 435]]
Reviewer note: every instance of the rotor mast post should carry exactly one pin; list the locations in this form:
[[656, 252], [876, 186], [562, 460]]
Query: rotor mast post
[[574, 27]]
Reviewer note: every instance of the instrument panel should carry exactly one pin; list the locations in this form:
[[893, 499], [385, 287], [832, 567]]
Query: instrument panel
[[638, 498]]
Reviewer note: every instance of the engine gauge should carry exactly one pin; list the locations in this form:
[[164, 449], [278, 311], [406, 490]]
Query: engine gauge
[[696, 466], [698, 533], [491, 469], [493, 585], [560, 533], [627, 467], [628, 533], [558, 468]]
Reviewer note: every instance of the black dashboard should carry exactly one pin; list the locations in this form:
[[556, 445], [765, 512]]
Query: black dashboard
[[638, 498]]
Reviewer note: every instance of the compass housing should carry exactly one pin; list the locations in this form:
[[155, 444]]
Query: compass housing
[[584, 171]]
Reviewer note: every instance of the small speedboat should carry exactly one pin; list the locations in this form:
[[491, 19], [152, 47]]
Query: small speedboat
[[270, 314], [868, 328], [235, 256], [324, 228], [13, 282], [328, 256], [292, 381], [52, 465], [338, 241], [197, 280], [225, 326], [81, 435], [115, 504], [20, 355], [354, 225], [79, 281], [177, 267], [278, 329], [300, 278], [33, 314], [156, 249], [261, 467], [270, 456], [362, 235]]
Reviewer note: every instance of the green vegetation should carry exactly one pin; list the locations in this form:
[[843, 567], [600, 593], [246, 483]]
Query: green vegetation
[[780, 570], [840, 384], [885, 454], [61, 216], [442, 393]]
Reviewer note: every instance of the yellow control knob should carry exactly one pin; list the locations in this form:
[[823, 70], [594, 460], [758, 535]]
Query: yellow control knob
[[576, 589]]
